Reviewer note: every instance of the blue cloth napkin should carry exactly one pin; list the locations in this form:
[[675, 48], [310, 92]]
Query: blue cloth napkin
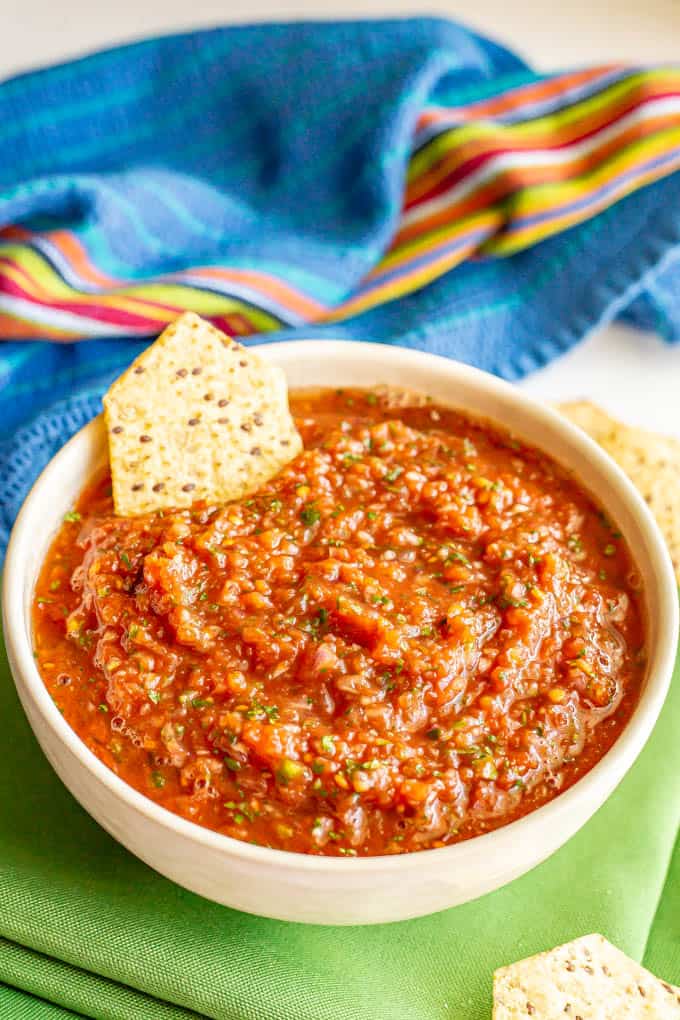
[[284, 147]]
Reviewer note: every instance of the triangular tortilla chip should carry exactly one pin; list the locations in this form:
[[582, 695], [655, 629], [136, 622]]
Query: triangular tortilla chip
[[197, 416]]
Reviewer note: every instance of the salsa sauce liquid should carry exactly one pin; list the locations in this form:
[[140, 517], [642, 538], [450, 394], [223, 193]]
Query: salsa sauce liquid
[[420, 630]]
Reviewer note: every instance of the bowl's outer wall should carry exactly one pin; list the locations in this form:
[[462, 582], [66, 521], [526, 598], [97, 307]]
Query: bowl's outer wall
[[324, 890], [298, 896]]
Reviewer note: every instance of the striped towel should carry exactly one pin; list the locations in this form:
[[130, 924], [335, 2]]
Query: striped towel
[[403, 181]]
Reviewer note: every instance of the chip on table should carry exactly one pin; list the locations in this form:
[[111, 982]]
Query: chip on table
[[651, 461], [588, 979], [196, 416]]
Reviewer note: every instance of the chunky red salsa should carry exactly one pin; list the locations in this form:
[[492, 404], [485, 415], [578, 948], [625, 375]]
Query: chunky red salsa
[[418, 631]]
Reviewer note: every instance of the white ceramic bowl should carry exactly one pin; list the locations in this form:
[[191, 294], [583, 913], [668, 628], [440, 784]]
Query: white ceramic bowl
[[325, 890]]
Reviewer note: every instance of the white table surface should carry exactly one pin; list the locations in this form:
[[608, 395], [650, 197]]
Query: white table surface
[[632, 374]]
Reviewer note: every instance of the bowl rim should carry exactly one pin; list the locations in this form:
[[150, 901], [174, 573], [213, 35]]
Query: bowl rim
[[615, 763]]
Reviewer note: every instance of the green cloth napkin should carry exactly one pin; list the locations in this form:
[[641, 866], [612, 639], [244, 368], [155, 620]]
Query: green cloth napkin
[[87, 930]]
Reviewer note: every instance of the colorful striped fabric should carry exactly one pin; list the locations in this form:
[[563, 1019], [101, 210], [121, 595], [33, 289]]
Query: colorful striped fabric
[[494, 177], [485, 167], [400, 181]]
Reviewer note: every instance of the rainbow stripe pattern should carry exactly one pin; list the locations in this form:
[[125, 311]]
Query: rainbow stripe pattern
[[295, 203]]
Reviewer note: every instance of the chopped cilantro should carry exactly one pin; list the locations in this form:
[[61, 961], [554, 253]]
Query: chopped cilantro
[[504, 602], [258, 711], [309, 515], [327, 745], [457, 557]]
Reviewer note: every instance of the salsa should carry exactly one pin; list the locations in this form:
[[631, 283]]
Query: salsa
[[419, 630]]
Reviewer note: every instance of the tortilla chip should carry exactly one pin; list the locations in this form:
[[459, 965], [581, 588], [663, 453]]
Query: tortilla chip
[[591, 418], [588, 979], [651, 461], [197, 416]]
